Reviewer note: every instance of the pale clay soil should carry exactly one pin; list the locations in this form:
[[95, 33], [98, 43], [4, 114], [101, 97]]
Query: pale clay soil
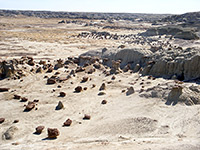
[[125, 122]]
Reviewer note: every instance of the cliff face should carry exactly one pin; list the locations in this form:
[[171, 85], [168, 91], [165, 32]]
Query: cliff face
[[182, 64]]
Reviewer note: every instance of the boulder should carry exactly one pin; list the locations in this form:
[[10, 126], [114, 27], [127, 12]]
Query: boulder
[[51, 81], [68, 122], [30, 106], [2, 120], [59, 106], [104, 102], [7, 69], [4, 89], [86, 117], [16, 97], [53, 133], [103, 87], [130, 91], [85, 79], [39, 129], [62, 94], [78, 89]]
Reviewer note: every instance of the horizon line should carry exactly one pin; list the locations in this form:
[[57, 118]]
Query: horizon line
[[95, 12]]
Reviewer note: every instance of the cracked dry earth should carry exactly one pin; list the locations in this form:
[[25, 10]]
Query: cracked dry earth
[[119, 114]]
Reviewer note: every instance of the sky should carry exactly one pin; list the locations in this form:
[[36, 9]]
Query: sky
[[126, 6]]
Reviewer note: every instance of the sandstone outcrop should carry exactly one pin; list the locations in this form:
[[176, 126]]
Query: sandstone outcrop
[[9, 134]]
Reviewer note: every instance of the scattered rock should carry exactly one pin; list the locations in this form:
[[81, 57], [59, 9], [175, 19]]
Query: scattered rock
[[9, 134], [17, 97], [97, 66], [85, 88], [93, 85], [86, 117], [4, 89], [50, 69], [85, 79], [123, 91], [80, 69], [78, 89], [30, 106], [53, 133], [2, 120], [113, 78], [39, 129], [104, 102], [68, 122], [62, 94], [36, 100], [115, 67], [59, 106], [15, 121], [130, 91], [59, 64], [24, 99], [31, 62], [103, 87], [42, 62], [91, 71], [51, 81], [101, 93], [39, 70]]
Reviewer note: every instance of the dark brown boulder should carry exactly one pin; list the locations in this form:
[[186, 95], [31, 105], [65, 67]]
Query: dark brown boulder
[[24, 99], [31, 62], [17, 97], [51, 81], [30, 106], [42, 62], [2, 120], [86, 117], [53, 133], [15, 121], [68, 122], [36, 100], [104, 102], [62, 94], [101, 93], [39, 129], [4, 89], [78, 89], [85, 79]]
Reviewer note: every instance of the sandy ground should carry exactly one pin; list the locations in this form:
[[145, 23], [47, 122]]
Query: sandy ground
[[125, 122]]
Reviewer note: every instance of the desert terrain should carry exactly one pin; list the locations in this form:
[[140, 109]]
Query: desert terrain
[[111, 81]]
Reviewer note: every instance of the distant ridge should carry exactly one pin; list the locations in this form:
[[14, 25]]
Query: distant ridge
[[192, 17], [82, 15]]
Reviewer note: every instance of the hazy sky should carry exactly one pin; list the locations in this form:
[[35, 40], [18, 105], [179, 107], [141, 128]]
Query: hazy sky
[[133, 6]]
